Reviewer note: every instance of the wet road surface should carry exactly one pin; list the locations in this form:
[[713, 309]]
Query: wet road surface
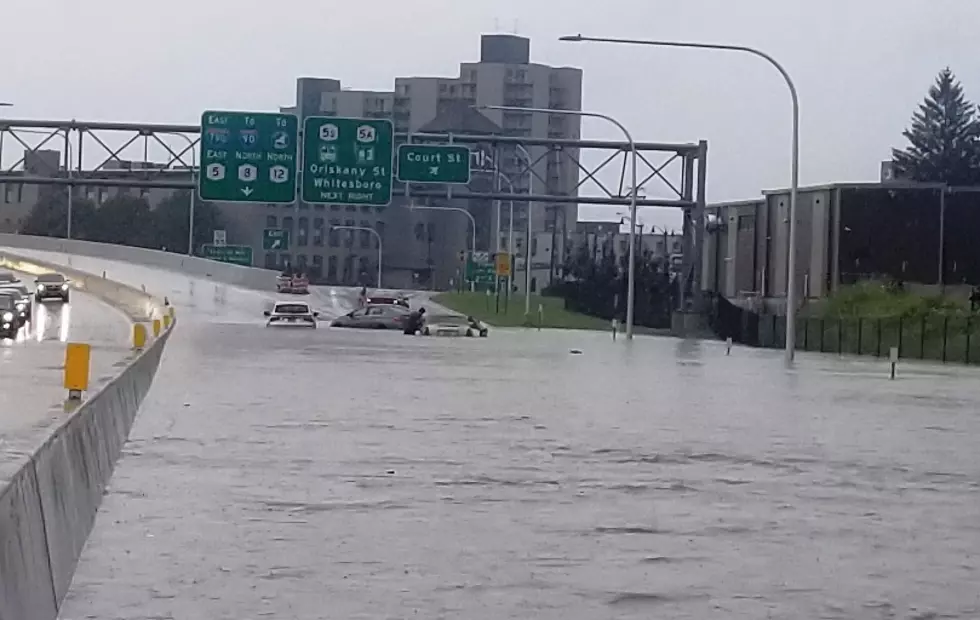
[[31, 369], [277, 473]]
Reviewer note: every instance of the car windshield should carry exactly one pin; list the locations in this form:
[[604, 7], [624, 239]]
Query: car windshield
[[7, 302], [20, 288], [51, 278], [292, 309]]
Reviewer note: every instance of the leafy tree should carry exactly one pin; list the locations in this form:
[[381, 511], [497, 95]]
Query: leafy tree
[[170, 222], [123, 219], [49, 215], [944, 138]]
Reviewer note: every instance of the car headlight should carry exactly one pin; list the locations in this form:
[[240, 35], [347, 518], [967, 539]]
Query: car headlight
[[64, 287], [40, 288], [8, 316]]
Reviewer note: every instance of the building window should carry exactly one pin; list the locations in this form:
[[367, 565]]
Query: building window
[[318, 232], [317, 270], [333, 234], [332, 269], [302, 234], [270, 260], [534, 246], [287, 223], [271, 221], [746, 222], [335, 207], [285, 259], [432, 232], [534, 284], [301, 262], [365, 235], [349, 234], [364, 269], [348, 268]]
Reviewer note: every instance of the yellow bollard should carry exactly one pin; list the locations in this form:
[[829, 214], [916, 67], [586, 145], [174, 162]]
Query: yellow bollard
[[166, 321], [139, 335], [156, 327], [77, 356]]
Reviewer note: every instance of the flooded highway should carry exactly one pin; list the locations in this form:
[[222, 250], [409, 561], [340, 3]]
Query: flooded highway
[[320, 474]]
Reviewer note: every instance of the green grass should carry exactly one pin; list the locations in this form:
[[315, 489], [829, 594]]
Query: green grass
[[871, 299], [511, 314]]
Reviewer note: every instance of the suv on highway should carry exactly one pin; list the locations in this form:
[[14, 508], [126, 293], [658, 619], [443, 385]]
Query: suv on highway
[[51, 286], [9, 325], [23, 297], [291, 313]]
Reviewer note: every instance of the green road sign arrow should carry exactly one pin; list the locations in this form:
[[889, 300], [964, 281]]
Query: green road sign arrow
[[275, 239], [248, 157], [433, 163], [347, 160]]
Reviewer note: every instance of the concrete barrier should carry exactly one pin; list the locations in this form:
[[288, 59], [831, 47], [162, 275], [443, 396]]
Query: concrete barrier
[[49, 504], [248, 277]]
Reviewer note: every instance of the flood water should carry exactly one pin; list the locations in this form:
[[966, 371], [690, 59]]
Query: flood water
[[341, 474]]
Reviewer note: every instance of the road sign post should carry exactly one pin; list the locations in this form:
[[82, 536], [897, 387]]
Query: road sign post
[[275, 239], [433, 163], [248, 157], [234, 254], [347, 160]]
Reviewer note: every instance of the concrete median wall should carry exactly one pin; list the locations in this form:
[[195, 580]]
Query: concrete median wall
[[248, 277], [48, 505]]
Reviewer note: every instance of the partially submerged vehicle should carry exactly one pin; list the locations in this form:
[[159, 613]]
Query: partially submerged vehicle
[[293, 284], [454, 325], [291, 313]]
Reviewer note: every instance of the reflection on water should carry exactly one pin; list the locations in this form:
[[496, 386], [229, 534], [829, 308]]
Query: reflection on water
[[507, 478]]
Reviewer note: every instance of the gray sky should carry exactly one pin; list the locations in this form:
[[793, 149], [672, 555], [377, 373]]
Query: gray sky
[[861, 67]]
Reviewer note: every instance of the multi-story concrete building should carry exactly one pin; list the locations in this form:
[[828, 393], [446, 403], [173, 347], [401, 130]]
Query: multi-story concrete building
[[603, 236], [420, 247]]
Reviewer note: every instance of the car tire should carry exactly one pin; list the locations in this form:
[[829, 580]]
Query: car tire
[[426, 332], [469, 333], [65, 299]]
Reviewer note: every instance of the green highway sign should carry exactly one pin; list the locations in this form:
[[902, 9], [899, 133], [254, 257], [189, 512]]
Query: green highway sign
[[248, 157], [433, 163], [275, 239], [480, 268], [235, 254], [347, 160]]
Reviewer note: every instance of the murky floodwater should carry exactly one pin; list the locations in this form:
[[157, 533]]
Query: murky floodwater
[[348, 475]]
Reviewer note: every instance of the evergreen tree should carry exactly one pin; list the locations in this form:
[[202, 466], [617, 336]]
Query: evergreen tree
[[944, 138]]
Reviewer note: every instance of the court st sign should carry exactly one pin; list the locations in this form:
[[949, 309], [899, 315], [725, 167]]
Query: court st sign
[[433, 163]]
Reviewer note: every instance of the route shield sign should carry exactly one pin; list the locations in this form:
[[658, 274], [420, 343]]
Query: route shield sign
[[433, 163], [235, 254], [275, 239], [347, 160], [248, 157]]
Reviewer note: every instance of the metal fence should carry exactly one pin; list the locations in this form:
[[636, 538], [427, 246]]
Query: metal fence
[[941, 337]]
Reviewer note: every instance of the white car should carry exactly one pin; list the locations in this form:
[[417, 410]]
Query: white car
[[453, 325], [292, 313]]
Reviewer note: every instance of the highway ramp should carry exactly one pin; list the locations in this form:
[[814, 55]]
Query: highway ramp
[[31, 368]]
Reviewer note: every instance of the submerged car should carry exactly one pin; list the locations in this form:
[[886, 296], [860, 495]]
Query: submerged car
[[291, 313], [9, 325], [375, 316], [23, 297], [51, 286], [387, 298], [454, 325]]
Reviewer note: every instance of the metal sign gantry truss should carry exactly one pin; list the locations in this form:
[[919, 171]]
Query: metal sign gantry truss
[[140, 155]]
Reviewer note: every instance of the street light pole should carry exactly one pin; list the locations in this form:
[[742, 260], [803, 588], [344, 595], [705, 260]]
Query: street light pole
[[791, 292], [376, 236], [631, 284], [460, 210]]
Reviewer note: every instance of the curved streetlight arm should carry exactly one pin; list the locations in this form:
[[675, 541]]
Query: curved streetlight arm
[[459, 210], [791, 292], [377, 236], [631, 279]]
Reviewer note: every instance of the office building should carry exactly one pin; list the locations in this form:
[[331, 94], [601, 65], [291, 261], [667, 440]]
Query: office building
[[422, 248]]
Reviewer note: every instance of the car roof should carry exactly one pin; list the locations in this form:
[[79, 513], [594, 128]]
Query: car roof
[[291, 302], [51, 276], [13, 286]]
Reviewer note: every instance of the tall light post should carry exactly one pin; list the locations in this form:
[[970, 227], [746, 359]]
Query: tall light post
[[791, 293], [376, 236], [631, 284], [527, 249], [413, 207], [194, 172]]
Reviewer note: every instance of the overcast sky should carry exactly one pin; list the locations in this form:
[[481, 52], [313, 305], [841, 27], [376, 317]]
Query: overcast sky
[[861, 67]]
